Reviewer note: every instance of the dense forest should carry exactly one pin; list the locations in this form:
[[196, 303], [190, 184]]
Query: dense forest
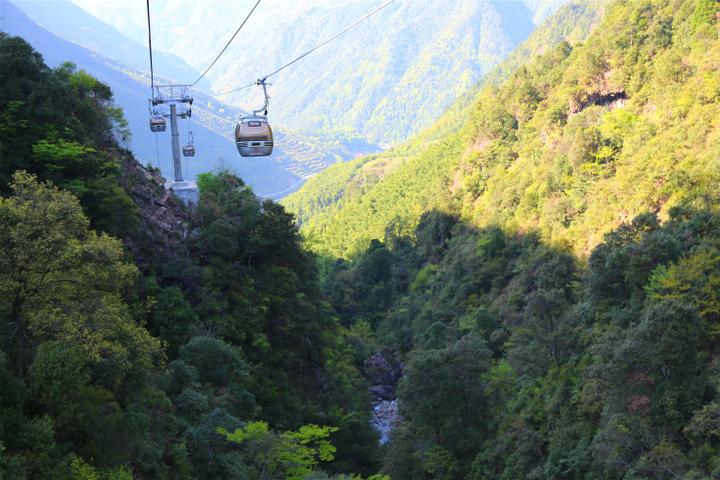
[[542, 267], [197, 346]]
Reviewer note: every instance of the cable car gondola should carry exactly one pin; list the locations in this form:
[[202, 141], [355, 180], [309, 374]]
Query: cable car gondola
[[189, 149], [253, 134], [254, 137], [157, 123]]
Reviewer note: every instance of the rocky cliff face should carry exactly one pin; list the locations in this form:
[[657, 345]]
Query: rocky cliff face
[[165, 222]]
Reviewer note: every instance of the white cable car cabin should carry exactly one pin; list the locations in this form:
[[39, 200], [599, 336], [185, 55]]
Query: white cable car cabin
[[157, 123], [254, 137], [189, 149]]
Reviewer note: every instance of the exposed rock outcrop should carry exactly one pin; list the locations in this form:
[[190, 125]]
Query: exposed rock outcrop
[[383, 368], [165, 222]]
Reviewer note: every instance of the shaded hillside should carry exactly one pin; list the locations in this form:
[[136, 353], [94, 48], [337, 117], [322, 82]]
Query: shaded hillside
[[522, 361], [571, 145]]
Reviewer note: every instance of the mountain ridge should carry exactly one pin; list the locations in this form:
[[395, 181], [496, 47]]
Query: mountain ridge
[[66, 20]]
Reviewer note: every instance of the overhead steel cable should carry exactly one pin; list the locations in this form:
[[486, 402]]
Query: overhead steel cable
[[226, 45], [152, 68], [235, 90], [357, 22], [354, 24]]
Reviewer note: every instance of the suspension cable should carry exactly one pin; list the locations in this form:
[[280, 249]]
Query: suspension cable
[[157, 151], [234, 90], [330, 39], [190, 135], [354, 24], [152, 69], [227, 44]]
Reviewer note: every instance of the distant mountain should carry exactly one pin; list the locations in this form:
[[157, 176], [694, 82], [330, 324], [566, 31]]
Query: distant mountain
[[67, 20], [390, 77], [212, 123]]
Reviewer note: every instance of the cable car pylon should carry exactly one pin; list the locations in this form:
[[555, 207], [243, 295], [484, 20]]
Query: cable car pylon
[[171, 101], [179, 105]]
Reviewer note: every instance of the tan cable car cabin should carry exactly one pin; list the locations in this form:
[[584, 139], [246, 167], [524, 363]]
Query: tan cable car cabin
[[254, 137], [188, 150]]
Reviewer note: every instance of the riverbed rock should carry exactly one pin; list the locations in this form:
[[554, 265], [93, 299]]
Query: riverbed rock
[[382, 368], [385, 418]]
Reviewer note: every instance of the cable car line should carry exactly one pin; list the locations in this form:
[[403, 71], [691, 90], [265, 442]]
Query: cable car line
[[157, 121], [152, 69], [357, 22], [157, 151], [226, 45], [234, 90], [349, 27], [253, 133]]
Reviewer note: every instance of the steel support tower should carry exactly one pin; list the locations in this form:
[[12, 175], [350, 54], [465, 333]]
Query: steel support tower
[[179, 102]]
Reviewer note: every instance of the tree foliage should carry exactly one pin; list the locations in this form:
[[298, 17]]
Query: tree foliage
[[109, 371], [547, 276]]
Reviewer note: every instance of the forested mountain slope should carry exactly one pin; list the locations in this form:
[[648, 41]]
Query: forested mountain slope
[[571, 145], [349, 204], [140, 339]]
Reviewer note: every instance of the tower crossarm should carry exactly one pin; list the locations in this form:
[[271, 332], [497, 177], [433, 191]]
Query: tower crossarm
[[164, 94]]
